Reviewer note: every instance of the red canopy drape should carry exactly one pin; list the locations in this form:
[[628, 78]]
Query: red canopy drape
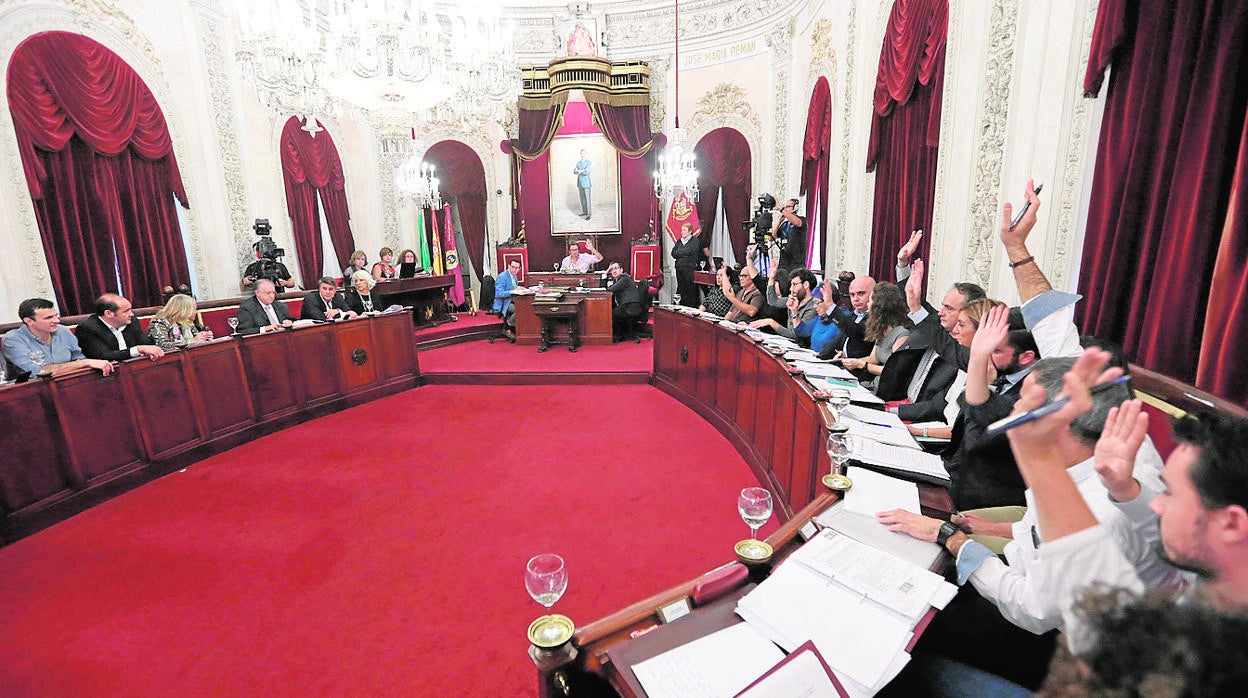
[[310, 165], [905, 129], [1163, 242], [816, 146], [723, 158], [461, 177], [100, 166], [627, 128]]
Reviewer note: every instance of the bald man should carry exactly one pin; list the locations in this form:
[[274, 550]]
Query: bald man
[[113, 333]]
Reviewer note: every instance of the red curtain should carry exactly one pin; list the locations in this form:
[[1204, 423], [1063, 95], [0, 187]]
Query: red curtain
[[310, 165], [816, 146], [723, 158], [537, 128], [626, 128], [905, 129], [1161, 195], [100, 166], [462, 179]]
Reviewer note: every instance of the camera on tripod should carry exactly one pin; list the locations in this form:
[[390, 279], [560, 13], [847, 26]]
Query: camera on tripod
[[268, 255], [761, 222]]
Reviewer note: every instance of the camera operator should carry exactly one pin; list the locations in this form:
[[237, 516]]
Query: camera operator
[[268, 263], [789, 229]]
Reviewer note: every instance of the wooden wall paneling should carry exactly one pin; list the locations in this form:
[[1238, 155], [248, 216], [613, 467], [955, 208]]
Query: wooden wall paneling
[[782, 443], [765, 408], [527, 323], [666, 346], [727, 363], [218, 385], [806, 448], [705, 335], [747, 388], [317, 365], [355, 344], [595, 320], [166, 419], [271, 373], [687, 361], [96, 419], [32, 468], [395, 337]]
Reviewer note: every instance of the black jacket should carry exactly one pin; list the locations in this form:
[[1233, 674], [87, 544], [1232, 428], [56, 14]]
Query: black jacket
[[314, 306], [99, 342]]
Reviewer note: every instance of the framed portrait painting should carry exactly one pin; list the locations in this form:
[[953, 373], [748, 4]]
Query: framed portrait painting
[[584, 186]]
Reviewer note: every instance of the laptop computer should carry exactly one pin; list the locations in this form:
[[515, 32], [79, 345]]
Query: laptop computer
[[409, 269]]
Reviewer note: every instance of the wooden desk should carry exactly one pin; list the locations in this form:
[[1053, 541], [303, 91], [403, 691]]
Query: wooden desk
[[591, 279], [553, 315], [77, 440], [425, 294], [594, 318]]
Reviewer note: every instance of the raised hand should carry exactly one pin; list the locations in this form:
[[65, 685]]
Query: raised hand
[[1032, 442], [1017, 237], [993, 328], [1124, 433], [907, 250], [914, 286]]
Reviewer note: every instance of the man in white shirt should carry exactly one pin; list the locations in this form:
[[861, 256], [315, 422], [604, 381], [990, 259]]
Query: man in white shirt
[[263, 312], [578, 262], [113, 333], [1201, 508]]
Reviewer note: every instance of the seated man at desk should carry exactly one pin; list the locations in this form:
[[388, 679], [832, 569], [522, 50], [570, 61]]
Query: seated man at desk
[[263, 312], [507, 282], [577, 262], [627, 300], [324, 303], [112, 334], [40, 344]]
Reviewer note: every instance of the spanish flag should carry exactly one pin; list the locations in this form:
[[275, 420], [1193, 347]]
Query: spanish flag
[[682, 211]]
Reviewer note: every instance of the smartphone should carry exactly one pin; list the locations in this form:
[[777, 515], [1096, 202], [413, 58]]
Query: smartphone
[[1026, 206]]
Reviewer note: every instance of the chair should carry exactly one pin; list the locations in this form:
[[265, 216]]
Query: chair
[[640, 326]]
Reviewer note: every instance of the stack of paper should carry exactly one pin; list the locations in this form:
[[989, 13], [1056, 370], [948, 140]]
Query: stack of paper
[[858, 606], [857, 393], [865, 529], [897, 458], [878, 425], [718, 665]]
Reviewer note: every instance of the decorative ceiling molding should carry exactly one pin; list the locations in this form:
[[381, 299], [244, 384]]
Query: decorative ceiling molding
[[722, 101]]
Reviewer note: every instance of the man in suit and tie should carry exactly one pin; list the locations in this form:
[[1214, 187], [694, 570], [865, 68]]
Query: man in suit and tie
[[324, 303], [583, 185], [113, 333], [263, 312]]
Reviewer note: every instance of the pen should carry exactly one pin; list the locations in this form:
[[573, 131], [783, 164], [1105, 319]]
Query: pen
[[1015, 420]]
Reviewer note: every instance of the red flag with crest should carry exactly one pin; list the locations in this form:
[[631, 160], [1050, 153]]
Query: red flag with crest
[[682, 211]]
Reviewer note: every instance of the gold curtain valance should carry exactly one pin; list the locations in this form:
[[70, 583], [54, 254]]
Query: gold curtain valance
[[626, 83]]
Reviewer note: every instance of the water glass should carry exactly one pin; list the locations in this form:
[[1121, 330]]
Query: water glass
[[546, 578], [754, 505]]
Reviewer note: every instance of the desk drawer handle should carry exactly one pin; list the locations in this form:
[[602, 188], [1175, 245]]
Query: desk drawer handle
[[359, 357]]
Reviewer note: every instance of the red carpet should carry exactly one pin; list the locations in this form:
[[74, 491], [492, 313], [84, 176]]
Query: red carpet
[[465, 321], [377, 551], [504, 357]]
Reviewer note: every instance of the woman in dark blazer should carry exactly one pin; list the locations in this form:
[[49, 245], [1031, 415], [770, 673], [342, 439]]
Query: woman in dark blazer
[[360, 293]]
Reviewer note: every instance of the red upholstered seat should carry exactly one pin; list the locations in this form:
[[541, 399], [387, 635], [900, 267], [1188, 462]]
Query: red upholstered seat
[[1160, 429]]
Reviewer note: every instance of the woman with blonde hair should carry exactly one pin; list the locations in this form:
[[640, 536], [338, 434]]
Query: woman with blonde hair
[[968, 320], [359, 262], [177, 324]]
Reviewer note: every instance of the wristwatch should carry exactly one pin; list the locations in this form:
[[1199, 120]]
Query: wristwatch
[[947, 529]]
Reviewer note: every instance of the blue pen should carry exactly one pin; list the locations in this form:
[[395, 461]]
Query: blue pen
[[1007, 423]]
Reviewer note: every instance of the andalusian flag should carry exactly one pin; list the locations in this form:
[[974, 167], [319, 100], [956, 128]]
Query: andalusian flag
[[422, 242], [452, 258], [682, 211], [437, 244]]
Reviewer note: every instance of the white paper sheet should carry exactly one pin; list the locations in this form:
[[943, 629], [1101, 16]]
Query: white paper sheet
[[898, 458], [866, 530], [714, 666], [802, 676], [874, 492]]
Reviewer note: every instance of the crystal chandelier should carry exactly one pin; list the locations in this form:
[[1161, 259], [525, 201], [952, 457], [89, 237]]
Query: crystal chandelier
[[404, 57], [415, 181], [674, 170], [282, 57]]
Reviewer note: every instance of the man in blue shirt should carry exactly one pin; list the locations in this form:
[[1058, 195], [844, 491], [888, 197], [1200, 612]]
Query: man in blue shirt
[[507, 282], [581, 170], [40, 345]]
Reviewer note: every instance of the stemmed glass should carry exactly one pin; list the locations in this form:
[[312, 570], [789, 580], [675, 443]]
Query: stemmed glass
[[38, 358], [840, 448], [702, 264], [755, 507], [546, 578], [838, 398], [675, 299], [233, 323], [556, 267]]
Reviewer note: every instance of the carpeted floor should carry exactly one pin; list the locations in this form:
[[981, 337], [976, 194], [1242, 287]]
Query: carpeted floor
[[377, 551], [503, 357]]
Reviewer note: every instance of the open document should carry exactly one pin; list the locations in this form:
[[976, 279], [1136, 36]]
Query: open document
[[899, 459], [714, 666]]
